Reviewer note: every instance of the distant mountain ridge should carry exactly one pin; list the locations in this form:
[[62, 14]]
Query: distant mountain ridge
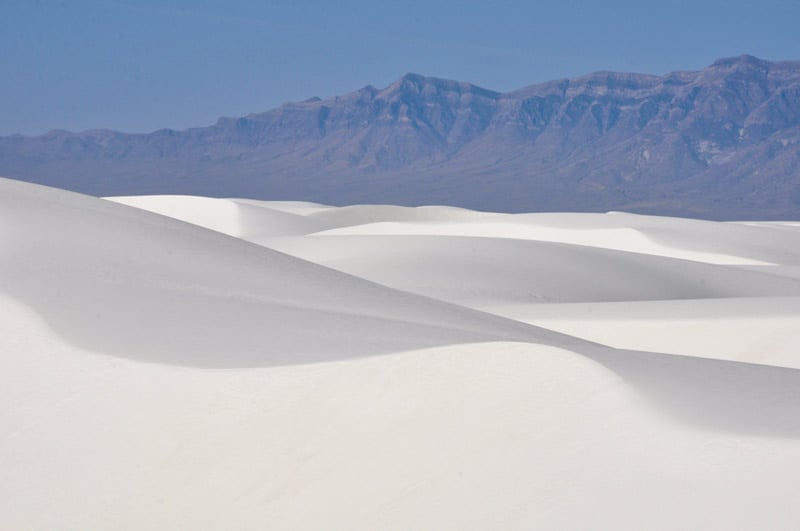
[[719, 143]]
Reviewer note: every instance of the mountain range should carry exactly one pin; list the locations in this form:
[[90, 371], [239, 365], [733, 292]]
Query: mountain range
[[719, 143]]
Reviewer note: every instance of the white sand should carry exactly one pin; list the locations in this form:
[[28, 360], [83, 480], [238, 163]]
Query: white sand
[[157, 375]]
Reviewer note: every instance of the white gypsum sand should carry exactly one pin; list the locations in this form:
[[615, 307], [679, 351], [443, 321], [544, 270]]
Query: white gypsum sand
[[383, 367]]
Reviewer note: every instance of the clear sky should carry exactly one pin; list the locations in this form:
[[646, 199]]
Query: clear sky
[[140, 65]]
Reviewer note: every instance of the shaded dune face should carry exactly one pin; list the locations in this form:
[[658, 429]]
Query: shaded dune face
[[715, 395], [469, 270]]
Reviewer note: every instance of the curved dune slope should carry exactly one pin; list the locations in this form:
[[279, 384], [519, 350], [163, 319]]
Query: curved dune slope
[[486, 271], [125, 281], [744, 244], [511, 265]]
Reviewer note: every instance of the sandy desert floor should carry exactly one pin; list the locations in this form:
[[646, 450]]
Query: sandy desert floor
[[172, 362]]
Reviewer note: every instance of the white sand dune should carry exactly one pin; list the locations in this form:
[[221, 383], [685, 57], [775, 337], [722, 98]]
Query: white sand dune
[[240, 218], [116, 279], [702, 241], [745, 244], [754, 329], [158, 375], [488, 271]]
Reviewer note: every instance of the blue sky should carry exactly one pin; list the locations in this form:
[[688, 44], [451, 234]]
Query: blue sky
[[140, 65]]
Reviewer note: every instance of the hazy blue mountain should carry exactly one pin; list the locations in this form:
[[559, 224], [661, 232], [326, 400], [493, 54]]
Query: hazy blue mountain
[[723, 142]]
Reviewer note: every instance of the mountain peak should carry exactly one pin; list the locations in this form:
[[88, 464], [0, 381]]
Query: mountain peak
[[418, 83], [741, 60], [411, 77]]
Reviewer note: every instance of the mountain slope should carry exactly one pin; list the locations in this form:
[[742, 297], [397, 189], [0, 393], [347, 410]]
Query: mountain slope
[[720, 143]]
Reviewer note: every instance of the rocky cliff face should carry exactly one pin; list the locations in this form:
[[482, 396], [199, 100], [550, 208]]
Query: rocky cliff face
[[720, 143]]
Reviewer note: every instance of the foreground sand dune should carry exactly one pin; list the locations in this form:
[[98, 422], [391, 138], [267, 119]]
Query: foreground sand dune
[[119, 280], [302, 366]]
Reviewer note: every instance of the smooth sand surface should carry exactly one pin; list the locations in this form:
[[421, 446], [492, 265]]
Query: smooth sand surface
[[300, 366]]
